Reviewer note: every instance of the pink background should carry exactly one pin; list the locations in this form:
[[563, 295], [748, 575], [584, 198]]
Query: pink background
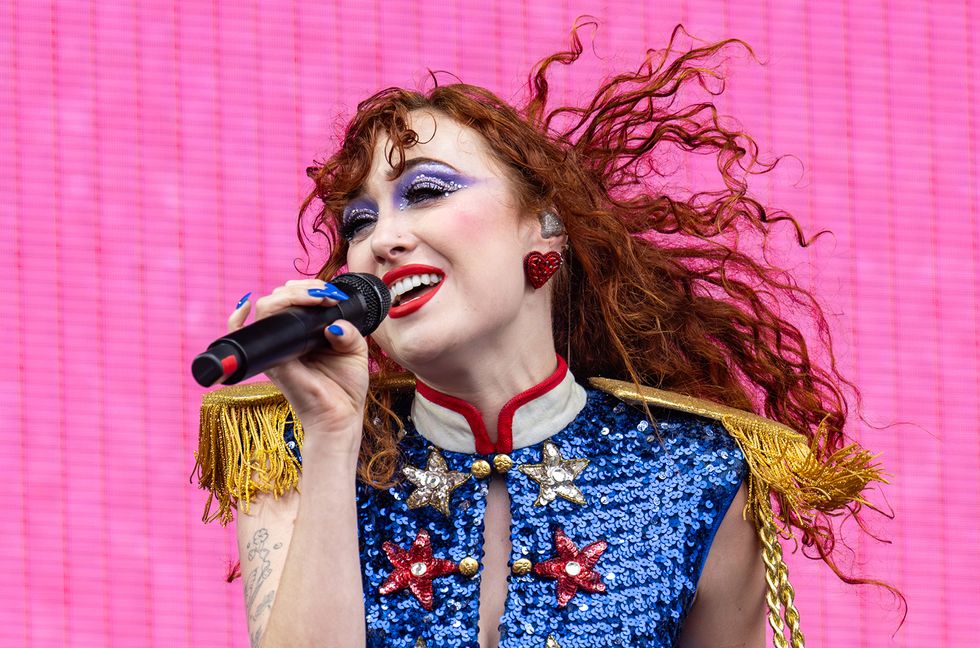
[[152, 164]]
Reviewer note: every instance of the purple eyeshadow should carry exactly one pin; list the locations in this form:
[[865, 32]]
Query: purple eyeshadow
[[424, 181], [430, 179], [358, 213]]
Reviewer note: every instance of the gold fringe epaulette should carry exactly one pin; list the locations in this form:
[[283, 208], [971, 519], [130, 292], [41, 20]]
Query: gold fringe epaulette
[[241, 449], [783, 464], [781, 461]]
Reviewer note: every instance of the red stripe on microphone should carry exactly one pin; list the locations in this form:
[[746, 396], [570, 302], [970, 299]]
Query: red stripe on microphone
[[229, 364]]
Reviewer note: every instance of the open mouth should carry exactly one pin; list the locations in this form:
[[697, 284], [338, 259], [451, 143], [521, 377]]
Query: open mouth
[[410, 288]]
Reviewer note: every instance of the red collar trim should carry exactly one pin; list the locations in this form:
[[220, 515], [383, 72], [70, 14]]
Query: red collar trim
[[505, 434]]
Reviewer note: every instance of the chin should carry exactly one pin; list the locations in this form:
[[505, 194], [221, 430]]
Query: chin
[[414, 352]]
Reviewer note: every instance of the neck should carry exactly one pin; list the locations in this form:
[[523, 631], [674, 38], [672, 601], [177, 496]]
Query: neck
[[525, 419], [485, 375], [489, 388]]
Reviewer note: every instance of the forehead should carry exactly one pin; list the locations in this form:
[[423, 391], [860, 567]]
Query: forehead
[[440, 137]]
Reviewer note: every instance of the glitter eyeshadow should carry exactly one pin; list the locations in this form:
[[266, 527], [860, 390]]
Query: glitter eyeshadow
[[426, 181], [355, 217]]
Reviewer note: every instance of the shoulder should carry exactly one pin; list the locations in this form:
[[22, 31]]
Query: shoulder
[[242, 447], [671, 422], [730, 417], [249, 442], [753, 434], [804, 471]]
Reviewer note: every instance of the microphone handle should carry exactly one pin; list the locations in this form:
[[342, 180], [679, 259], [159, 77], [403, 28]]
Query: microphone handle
[[273, 340]]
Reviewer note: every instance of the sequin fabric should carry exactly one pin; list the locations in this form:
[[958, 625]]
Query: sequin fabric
[[655, 492]]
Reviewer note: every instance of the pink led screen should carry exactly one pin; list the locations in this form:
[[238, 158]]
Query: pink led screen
[[153, 158]]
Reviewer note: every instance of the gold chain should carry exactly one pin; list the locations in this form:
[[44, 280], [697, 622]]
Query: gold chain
[[779, 592]]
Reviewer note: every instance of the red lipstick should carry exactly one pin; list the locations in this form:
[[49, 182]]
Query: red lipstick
[[410, 307]]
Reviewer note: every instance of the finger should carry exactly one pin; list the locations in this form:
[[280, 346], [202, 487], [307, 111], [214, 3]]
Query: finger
[[344, 337], [329, 291], [238, 316], [304, 294]]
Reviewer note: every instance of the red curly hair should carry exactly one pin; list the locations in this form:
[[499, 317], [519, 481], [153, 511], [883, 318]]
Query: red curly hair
[[662, 294]]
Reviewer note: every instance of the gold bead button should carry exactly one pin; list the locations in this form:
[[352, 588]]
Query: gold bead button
[[503, 463], [480, 469], [468, 566], [521, 567]]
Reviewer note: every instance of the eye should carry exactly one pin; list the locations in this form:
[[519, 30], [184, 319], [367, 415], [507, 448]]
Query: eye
[[425, 187], [356, 223]]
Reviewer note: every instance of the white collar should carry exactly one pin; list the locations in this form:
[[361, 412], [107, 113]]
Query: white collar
[[528, 418]]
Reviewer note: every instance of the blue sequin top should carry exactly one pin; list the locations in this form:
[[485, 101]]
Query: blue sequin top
[[655, 494]]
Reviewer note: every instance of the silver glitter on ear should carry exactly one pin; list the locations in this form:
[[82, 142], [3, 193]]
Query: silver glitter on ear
[[551, 225]]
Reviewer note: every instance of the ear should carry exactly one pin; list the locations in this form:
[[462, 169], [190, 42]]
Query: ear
[[546, 232]]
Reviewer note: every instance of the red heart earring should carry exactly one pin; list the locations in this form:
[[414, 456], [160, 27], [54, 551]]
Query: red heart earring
[[539, 267]]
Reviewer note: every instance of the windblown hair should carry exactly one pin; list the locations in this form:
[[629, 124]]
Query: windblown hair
[[661, 295]]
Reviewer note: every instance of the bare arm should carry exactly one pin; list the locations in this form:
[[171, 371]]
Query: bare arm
[[300, 562], [299, 554], [264, 535], [729, 608]]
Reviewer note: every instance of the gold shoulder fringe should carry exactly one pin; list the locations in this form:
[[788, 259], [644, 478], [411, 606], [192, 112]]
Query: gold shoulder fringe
[[241, 449], [781, 461]]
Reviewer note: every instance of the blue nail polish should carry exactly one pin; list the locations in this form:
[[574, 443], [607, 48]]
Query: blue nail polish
[[241, 302], [336, 330], [328, 291], [335, 293]]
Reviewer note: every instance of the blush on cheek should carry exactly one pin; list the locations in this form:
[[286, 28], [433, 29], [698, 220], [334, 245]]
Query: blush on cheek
[[470, 225]]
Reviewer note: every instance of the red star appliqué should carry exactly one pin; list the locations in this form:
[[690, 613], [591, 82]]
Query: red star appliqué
[[415, 568], [573, 568]]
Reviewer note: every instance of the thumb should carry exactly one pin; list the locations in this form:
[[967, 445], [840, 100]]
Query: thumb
[[345, 338]]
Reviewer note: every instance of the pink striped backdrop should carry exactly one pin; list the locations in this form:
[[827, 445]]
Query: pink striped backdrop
[[152, 162]]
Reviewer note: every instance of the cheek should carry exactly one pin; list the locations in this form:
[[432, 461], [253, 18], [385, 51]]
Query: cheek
[[360, 259], [480, 230], [467, 228]]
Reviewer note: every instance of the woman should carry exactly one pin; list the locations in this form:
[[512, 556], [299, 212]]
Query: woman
[[504, 486]]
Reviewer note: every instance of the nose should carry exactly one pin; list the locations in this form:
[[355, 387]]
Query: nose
[[391, 238]]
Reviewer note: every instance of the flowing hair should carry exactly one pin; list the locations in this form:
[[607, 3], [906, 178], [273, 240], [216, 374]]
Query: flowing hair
[[661, 294]]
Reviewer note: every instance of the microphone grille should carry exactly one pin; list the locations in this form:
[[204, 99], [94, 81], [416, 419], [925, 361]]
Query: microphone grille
[[376, 295]]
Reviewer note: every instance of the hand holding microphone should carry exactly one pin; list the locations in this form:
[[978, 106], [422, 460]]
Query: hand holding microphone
[[322, 371]]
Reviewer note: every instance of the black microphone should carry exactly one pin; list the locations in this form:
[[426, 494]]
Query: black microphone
[[292, 332]]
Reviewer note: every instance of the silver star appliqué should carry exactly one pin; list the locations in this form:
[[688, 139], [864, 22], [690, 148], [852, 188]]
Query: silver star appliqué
[[551, 643], [435, 484], [555, 475]]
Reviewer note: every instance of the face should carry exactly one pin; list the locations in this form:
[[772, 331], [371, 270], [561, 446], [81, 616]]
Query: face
[[449, 238]]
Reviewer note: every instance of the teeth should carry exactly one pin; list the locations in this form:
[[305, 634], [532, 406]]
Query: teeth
[[405, 284]]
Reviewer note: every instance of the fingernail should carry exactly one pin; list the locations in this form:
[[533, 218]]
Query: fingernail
[[328, 291], [336, 330], [241, 302], [335, 293]]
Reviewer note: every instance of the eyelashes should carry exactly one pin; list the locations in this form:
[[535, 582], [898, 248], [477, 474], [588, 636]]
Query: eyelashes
[[355, 221], [422, 189]]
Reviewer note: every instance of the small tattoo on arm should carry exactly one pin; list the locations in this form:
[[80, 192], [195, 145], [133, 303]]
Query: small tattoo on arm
[[258, 549], [266, 602]]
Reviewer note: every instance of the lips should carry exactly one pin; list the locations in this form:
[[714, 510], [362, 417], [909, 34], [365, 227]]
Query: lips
[[406, 271]]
